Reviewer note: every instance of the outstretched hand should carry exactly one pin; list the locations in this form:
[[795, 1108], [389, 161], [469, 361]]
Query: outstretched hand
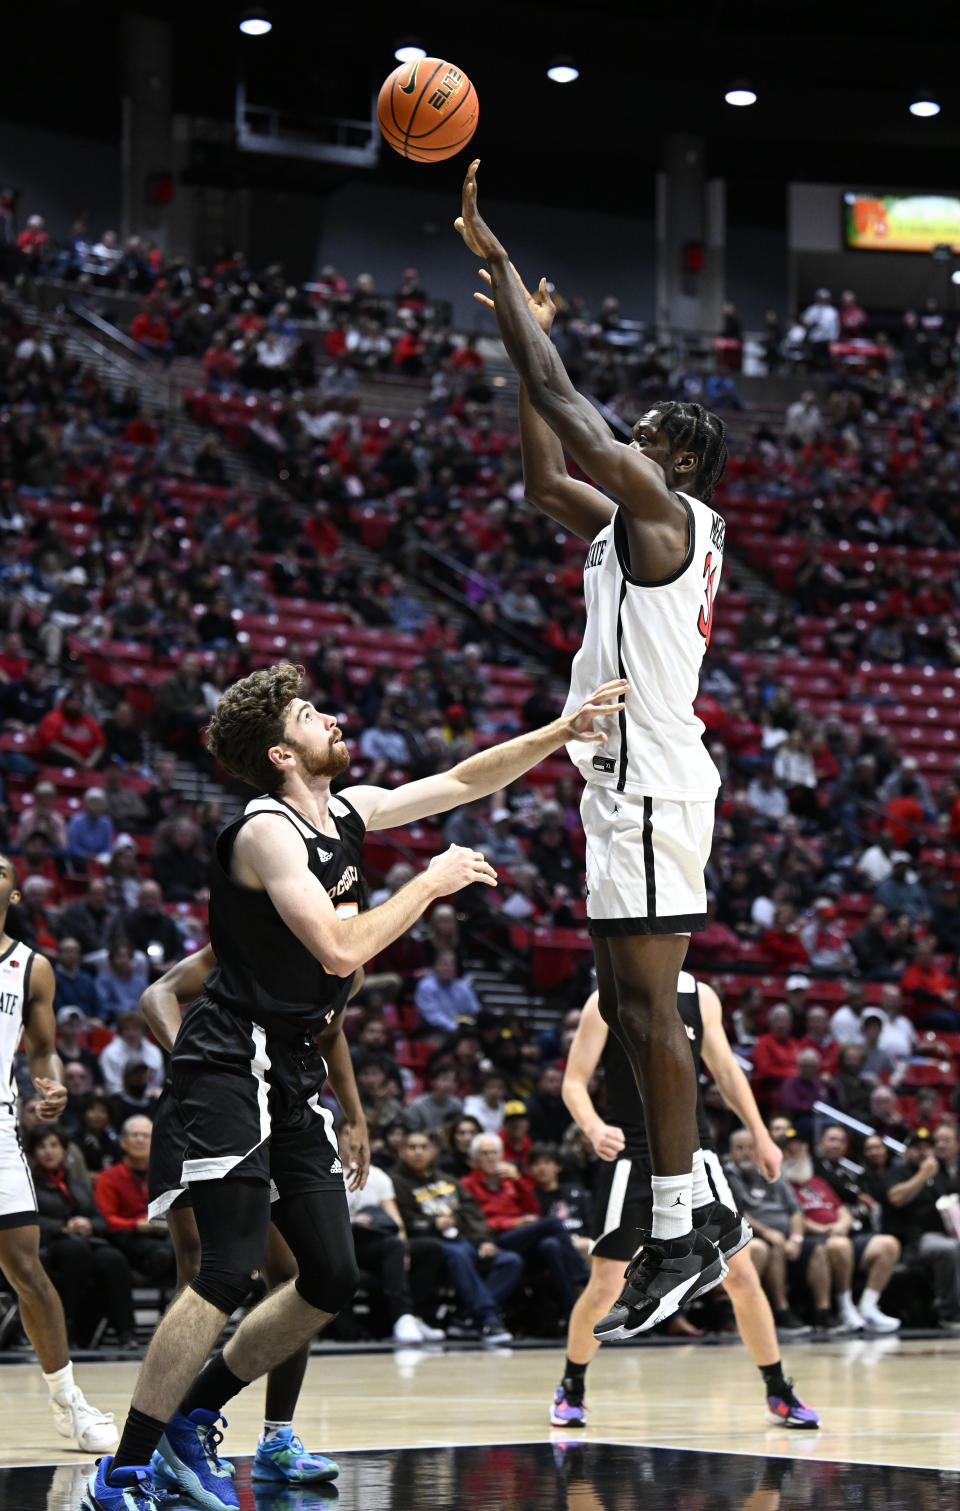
[[540, 304], [471, 225], [602, 704]]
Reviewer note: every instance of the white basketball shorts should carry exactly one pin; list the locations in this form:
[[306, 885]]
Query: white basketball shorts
[[645, 862], [18, 1201]]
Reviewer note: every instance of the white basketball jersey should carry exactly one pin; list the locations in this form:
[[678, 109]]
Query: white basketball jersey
[[15, 967], [655, 635]]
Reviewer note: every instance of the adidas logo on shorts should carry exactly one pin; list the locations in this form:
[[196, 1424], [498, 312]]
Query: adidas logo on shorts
[[336, 1168]]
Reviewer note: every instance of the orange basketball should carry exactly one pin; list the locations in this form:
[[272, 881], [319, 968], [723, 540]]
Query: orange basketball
[[427, 110]]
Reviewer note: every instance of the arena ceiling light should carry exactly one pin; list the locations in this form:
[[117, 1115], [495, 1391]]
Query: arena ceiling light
[[563, 71], [741, 95], [924, 108], [255, 23], [409, 51]]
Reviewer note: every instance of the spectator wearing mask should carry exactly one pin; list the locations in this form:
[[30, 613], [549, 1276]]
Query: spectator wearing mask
[[432, 1204], [91, 1275], [121, 1195], [130, 1044], [442, 999]]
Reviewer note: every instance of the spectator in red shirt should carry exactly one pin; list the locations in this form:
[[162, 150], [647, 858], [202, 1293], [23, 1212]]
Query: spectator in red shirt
[[466, 358], [509, 1203], [321, 532], [408, 354], [33, 239], [13, 660], [904, 818], [67, 736], [441, 632], [121, 1195], [852, 318], [774, 1055], [782, 942], [219, 362], [151, 331], [931, 994], [819, 1037]]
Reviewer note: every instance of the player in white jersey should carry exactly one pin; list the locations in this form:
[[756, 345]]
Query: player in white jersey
[[650, 577], [26, 1009]]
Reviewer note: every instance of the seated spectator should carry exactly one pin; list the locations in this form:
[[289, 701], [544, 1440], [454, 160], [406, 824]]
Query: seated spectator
[[782, 942], [819, 1037], [486, 1106], [373, 1043], [89, 919], [442, 999], [774, 1055], [378, 1096], [434, 1107], [150, 330], [67, 736], [515, 1135], [36, 917], [850, 1089], [26, 702], [120, 984], [219, 362], [123, 877], [929, 1109], [505, 848], [883, 1115], [383, 742], [98, 1140], [901, 892], [80, 1086], [42, 818], [799, 1092], [468, 826], [92, 1277], [459, 1134], [778, 1237], [898, 1036], [90, 832], [71, 1042], [878, 1065], [407, 1273], [845, 1022], [824, 942], [826, 1216], [509, 1204], [38, 860], [875, 951], [120, 1193], [912, 1187], [565, 1199], [181, 707], [482, 1274], [182, 867], [130, 1044], [149, 929], [930, 993], [546, 1109], [138, 1093], [551, 853]]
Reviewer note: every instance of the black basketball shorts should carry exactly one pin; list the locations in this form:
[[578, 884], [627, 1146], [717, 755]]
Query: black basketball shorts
[[623, 1202]]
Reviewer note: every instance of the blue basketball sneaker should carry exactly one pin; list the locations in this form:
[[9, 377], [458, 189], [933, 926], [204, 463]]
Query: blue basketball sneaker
[[189, 1450], [164, 1478], [132, 1492], [283, 1459]]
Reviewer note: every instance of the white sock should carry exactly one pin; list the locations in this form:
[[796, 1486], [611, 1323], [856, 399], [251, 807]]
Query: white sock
[[702, 1189], [272, 1429], [870, 1300], [672, 1205], [844, 1299], [60, 1381]]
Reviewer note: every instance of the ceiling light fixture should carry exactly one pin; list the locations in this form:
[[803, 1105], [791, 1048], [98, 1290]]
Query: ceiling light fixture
[[924, 108], [741, 95], [409, 52], [562, 72], [255, 23]]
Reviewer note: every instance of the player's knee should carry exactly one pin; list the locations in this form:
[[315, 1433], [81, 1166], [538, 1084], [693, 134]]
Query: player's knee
[[741, 1278], [333, 1287], [188, 1256], [225, 1289]]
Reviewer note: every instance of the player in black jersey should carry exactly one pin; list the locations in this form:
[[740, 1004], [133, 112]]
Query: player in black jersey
[[624, 1196], [289, 927]]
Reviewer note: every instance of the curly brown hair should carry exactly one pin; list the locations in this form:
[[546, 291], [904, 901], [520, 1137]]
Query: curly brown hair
[[249, 718]]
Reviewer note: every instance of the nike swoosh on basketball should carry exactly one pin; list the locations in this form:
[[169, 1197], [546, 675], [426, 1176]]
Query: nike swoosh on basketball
[[409, 88]]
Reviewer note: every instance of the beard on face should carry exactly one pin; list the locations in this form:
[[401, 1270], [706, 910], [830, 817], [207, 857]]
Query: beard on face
[[798, 1171], [326, 762]]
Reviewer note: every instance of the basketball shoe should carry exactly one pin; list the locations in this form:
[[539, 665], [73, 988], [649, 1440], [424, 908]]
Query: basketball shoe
[[568, 1409], [661, 1276], [283, 1458], [189, 1449], [787, 1410], [728, 1230], [93, 1431], [132, 1492], [164, 1478]]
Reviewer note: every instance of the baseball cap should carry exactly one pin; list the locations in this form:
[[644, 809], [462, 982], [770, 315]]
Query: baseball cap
[[515, 1110], [922, 1136], [790, 1136], [123, 842], [66, 1013], [798, 983]]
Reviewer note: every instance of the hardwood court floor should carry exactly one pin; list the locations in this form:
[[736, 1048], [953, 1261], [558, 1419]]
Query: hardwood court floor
[[882, 1403]]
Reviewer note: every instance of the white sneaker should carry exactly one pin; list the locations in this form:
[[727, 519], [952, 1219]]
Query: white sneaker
[[850, 1317], [429, 1334], [406, 1329], [93, 1431], [877, 1321]]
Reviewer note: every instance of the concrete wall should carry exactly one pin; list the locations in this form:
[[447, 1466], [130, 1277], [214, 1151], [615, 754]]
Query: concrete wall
[[61, 177]]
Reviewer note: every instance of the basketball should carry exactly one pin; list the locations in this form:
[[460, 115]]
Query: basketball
[[427, 110]]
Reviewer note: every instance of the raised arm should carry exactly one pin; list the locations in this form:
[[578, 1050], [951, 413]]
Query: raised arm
[[487, 771], [160, 1003], [269, 853], [633, 479], [40, 1039], [584, 1056], [732, 1084]]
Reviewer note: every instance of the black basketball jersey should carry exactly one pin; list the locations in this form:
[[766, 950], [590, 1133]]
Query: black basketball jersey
[[263, 972], [622, 1106]]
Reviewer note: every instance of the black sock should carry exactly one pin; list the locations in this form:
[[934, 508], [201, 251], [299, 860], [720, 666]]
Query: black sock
[[214, 1386], [773, 1378], [574, 1378], [141, 1434]]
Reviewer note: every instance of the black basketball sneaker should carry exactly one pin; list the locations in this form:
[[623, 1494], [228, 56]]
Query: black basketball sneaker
[[662, 1275], [728, 1230]]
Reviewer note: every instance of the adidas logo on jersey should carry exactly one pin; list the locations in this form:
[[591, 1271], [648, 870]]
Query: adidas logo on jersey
[[336, 1168], [690, 1032], [324, 855]]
